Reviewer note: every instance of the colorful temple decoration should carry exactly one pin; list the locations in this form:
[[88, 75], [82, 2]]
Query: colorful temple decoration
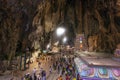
[[80, 42], [96, 73], [103, 72], [116, 73]]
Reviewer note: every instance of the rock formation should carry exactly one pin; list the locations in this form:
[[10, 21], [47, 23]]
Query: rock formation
[[94, 18], [30, 23]]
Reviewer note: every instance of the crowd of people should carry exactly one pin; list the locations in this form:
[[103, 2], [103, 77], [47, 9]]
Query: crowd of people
[[38, 73], [34, 76], [64, 66]]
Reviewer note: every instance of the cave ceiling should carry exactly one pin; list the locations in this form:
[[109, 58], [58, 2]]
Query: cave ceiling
[[29, 23]]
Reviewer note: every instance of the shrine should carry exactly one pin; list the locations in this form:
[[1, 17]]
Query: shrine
[[80, 42]]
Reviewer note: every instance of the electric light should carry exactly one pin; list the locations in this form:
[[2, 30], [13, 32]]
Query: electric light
[[64, 39], [48, 46], [60, 31]]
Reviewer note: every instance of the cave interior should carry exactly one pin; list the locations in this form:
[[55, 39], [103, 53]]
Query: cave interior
[[32, 24]]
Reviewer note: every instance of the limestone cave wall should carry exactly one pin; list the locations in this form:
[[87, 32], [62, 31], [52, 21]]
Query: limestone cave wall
[[99, 20], [30, 23], [16, 18]]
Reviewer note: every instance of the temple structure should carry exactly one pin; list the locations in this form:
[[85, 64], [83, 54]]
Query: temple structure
[[80, 42]]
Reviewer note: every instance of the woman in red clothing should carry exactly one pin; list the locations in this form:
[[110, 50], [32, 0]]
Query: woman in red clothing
[[67, 77]]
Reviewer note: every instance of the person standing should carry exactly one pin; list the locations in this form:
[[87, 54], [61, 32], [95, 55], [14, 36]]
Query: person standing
[[78, 77], [39, 63], [58, 67], [35, 77], [74, 78], [41, 69], [31, 77], [67, 77], [60, 77], [43, 75], [34, 73], [50, 70], [39, 77]]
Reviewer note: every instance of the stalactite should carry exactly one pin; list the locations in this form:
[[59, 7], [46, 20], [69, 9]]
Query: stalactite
[[98, 18]]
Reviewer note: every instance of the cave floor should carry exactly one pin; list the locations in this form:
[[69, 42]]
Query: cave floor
[[91, 58], [45, 65], [99, 59]]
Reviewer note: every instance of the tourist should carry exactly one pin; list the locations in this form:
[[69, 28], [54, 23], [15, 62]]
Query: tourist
[[35, 77], [39, 63], [78, 77], [63, 70], [67, 77], [46, 58], [54, 66], [27, 76], [41, 69], [34, 71], [12, 78], [58, 67], [50, 70], [43, 75], [39, 77], [74, 78], [23, 78], [60, 77], [30, 77]]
